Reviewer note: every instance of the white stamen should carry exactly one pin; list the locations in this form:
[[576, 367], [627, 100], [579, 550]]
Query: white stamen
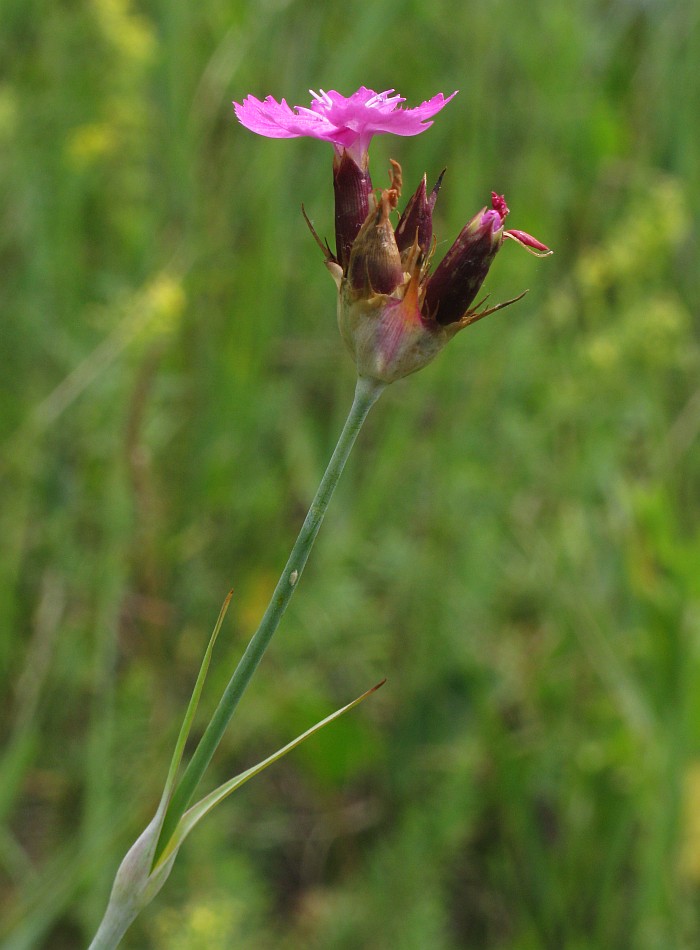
[[382, 97], [323, 98], [310, 114]]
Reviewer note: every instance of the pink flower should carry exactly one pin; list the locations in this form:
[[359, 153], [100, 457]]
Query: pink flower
[[394, 312], [347, 123]]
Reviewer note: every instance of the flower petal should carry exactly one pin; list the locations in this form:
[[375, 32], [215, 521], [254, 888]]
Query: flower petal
[[367, 112], [530, 243], [277, 121], [347, 122]]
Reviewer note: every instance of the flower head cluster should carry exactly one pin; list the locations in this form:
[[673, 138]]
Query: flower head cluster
[[394, 313]]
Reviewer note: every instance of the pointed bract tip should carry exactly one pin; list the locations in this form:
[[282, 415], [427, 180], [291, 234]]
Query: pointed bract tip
[[432, 197]]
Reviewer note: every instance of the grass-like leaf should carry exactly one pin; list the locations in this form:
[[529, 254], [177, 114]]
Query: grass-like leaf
[[194, 815], [192, 709]]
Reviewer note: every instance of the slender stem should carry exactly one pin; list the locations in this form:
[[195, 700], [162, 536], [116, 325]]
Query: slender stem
[[366, 394], [113, 926]]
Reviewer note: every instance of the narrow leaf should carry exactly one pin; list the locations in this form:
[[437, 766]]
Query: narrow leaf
[[194, 700], [194, 815], [189, 715]]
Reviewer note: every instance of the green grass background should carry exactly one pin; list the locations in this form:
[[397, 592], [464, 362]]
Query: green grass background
[[515, 543]]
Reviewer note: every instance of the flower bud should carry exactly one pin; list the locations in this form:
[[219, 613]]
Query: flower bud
[[459, 276], [416, 223], [375, 263]]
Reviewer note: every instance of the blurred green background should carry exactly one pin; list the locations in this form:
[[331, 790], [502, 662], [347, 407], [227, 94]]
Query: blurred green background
[[515, 543]]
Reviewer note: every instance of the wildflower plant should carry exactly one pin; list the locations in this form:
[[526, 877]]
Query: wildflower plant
[[395, 313]]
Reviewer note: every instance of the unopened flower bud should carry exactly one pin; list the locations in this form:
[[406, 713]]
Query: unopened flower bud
[[459, 276], [416, 223], [375, 263]]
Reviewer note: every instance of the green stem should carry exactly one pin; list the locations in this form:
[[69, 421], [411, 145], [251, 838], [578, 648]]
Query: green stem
[[113, 926], [366, 394]]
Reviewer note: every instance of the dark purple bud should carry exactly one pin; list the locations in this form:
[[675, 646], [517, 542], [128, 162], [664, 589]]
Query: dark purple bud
[[417, 220], [462, 271], [353, 187]]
